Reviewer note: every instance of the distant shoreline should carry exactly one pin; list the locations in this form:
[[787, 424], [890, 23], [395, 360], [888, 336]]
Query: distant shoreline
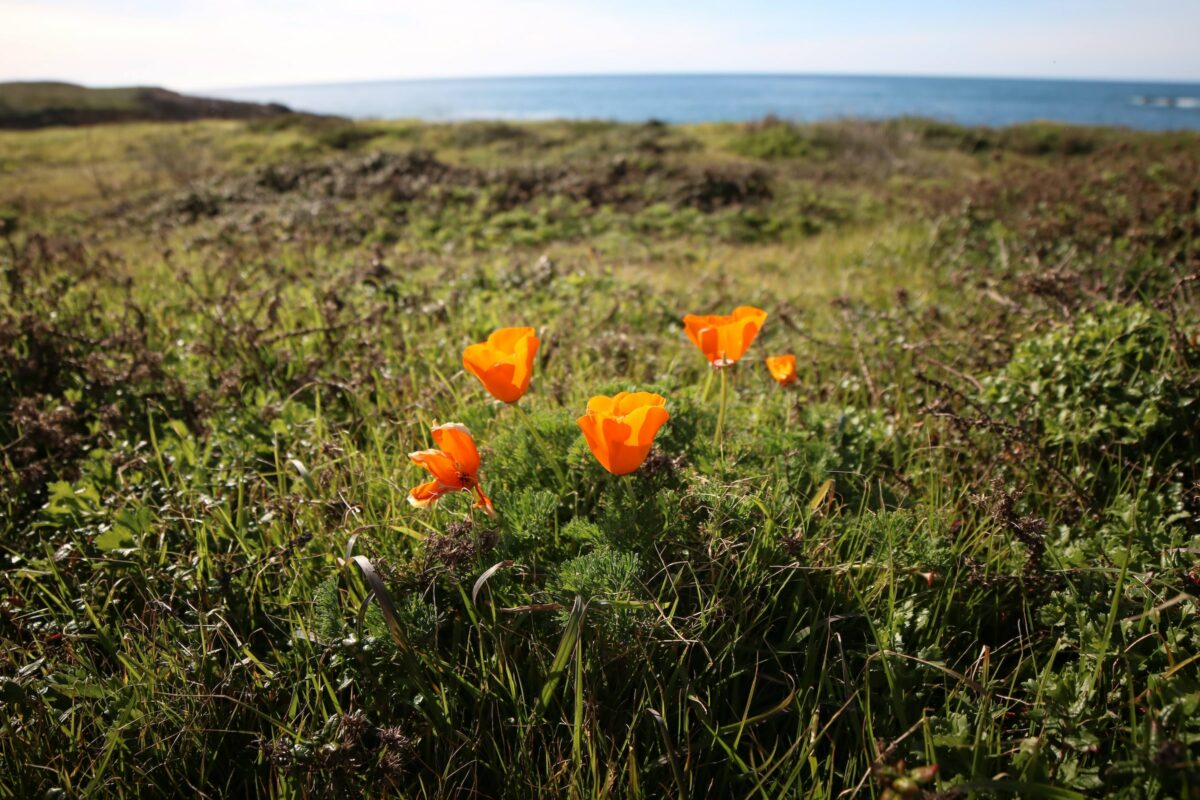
[[30, 105], [742, 98]]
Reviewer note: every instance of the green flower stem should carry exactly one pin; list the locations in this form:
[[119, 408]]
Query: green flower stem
[[627, 490], [724, 400]]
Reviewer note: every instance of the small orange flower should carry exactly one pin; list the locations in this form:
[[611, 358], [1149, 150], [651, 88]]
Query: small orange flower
[[621, 429], [504, 363], [724, 339], [783, 368], [455, 468]]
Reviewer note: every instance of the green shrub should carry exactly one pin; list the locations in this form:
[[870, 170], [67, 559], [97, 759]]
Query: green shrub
[[1040, 139], [1110, 380], [483, 134], [939, 134], [344, 135], [772, 139]]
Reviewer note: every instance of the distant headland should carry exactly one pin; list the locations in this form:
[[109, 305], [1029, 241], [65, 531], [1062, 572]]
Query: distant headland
[[44, 104]]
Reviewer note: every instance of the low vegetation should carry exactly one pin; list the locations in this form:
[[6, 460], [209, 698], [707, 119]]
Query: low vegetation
[[43, 104], [958, 556]]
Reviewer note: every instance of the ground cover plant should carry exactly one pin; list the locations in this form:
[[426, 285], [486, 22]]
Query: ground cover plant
[[43, 104], [949, 548]]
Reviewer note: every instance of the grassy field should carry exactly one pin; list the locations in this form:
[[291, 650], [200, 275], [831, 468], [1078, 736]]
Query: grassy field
[[958, 557], [40, 104]]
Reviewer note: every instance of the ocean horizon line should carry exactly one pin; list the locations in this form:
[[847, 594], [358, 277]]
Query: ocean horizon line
[[716, 96], [671, 75]]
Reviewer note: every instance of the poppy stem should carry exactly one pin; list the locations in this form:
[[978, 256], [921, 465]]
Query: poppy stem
[[543, 446], [721, 413], [627, 490], [707, 386]]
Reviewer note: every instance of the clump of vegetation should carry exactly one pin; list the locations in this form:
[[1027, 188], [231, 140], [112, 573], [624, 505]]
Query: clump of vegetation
[[950, 551], [39, 104], [772, 138], [482, 134], [1109, 379]]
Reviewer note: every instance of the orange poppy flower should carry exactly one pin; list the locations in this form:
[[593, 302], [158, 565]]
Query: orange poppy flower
[[783, 368], [504, 363], [455, 468], [621, 429], [724, 339]]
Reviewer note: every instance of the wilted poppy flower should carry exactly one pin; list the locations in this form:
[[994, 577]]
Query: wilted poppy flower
[[724, 339], [504, 363], [621, 429], [783, 368], [455, 467]]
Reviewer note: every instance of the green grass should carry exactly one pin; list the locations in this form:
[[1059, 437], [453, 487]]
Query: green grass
[[219, 341], [32, 97], [39, 104]]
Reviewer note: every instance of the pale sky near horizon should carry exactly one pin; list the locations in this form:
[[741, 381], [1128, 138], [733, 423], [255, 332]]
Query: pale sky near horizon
[[210, 44]]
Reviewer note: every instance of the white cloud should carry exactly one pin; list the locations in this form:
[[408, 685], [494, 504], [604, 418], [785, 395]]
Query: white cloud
[[227, 43]]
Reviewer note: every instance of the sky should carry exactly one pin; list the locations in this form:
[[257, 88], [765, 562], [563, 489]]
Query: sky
[[214, 44]]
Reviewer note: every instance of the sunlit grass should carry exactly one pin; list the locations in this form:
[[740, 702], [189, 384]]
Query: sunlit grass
[[963, 537]]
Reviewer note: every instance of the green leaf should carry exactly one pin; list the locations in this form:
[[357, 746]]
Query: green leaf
[[562, 656], [115, 538]]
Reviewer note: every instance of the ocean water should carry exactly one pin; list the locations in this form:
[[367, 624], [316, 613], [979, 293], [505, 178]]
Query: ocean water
[[705, 98]]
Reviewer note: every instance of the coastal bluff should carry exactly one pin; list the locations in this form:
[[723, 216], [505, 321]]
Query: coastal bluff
[[28, 105]]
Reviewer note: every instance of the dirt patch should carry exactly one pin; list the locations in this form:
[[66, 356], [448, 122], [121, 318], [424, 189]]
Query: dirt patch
[[627, 182]]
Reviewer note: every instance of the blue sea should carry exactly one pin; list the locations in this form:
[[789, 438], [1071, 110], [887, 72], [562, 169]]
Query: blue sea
[[705, 98]]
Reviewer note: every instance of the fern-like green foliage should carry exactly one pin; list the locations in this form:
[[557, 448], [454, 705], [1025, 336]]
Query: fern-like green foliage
[[328, 616], [602, 573], [607, 578]]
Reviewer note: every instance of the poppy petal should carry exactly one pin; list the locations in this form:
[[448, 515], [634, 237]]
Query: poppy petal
[[425, 494], [478, 359], [601, 405], [628, 402], [782, 368], [725, 339], [440, 465], [505, 339], [455, 440], [710, 343], [620, 430], [644, 424], [523, 354], [484, 502], [590, 426], [615, 434], [691, 326]]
